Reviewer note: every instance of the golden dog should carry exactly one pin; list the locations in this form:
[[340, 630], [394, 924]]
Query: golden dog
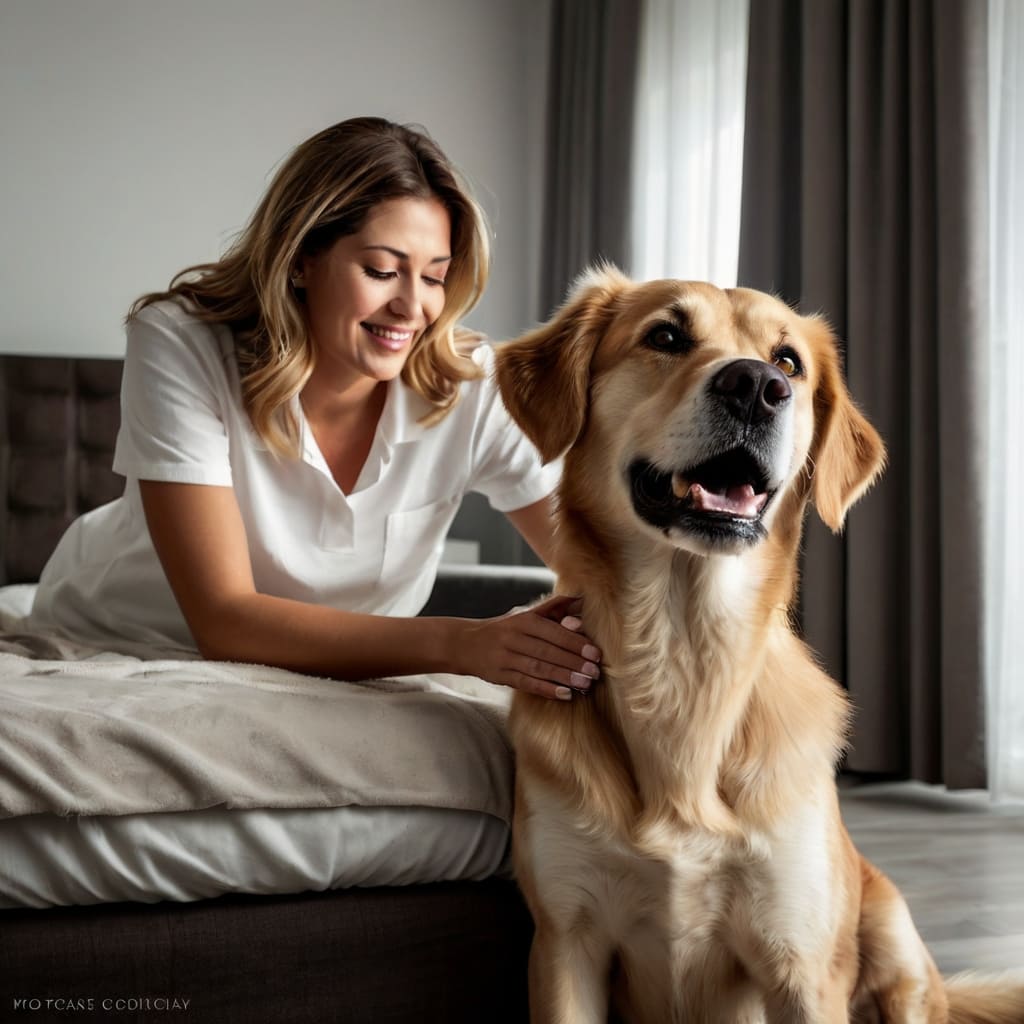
[[677, 832]]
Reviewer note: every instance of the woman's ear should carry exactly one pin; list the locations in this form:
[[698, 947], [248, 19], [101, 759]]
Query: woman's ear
[[848, 454], [544, 376]]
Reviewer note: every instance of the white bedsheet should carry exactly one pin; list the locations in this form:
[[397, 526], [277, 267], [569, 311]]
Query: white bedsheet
[[47, 861], [58, 856]]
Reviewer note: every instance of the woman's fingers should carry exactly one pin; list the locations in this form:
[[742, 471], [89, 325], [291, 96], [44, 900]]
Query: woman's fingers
[[566, 638], [533, 667], [546, 652], [541, 688], [545, 680], [547, 661], [559, 606], [541, 650]]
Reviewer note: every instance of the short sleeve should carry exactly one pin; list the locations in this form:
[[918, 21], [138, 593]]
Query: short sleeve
[[173, 397], [507, 468]]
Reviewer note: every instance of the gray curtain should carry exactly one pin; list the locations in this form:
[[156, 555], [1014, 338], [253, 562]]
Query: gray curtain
[[591, 86], [864, 198]]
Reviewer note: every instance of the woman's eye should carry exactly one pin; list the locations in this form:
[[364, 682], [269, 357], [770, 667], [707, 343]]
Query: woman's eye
[[378, 275], [668, 338], [789, 362], [437, 281]]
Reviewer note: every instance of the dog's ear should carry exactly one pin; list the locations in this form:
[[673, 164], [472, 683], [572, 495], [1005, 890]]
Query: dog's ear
[[544, 376], [847, 453]]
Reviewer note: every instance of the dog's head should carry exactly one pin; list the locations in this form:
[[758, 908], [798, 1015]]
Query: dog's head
[[694, 412]]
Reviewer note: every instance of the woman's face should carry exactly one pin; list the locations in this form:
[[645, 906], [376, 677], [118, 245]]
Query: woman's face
[[371, 295]]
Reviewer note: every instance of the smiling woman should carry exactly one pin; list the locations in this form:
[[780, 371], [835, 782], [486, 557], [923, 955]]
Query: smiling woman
[[300, 421]]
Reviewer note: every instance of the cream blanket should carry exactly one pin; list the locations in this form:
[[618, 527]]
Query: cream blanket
[[84, 732]]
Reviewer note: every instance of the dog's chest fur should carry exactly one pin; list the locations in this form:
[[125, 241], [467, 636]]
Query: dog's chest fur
[[692, 919], [703, 868], [682, 908]]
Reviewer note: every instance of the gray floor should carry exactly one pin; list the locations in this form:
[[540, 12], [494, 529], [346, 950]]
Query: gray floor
[[958, 860]]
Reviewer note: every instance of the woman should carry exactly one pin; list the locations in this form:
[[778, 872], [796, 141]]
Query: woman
[[298, 428]]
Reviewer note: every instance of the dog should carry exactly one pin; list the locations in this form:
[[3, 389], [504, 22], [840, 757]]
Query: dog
[[677, 834]]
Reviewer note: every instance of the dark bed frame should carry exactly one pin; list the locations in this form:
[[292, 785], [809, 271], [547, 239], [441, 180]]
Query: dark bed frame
[[453, 952]]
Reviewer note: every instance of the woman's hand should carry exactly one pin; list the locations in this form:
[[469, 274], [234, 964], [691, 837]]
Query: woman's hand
[[538, 649]]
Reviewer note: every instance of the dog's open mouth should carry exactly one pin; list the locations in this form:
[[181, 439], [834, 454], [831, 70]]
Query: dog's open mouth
[[722, 497]]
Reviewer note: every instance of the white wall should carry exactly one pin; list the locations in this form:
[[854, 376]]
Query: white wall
[[136, 136]]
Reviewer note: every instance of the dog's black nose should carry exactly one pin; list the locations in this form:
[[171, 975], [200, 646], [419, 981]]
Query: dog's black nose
[[751, 390]]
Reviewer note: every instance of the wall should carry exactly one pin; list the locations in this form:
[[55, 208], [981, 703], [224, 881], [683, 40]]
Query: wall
[[137, 136]]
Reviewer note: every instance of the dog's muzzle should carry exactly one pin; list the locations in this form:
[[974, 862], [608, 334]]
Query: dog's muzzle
[[722, 497]]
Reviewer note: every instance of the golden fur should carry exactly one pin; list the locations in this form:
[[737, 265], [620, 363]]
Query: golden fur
[[677, 832]]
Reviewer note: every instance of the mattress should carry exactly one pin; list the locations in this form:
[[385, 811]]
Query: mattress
[[103, 804]]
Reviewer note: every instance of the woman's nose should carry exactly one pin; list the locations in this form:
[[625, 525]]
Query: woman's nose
[[407, 302]]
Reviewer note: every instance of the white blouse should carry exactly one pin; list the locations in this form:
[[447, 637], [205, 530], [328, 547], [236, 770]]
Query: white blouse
[[375, 550]]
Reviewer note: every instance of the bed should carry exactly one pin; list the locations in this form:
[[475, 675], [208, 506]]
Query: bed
[[147, 868]]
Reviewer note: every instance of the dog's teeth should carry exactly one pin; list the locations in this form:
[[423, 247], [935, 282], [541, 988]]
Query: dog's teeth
[[680, 487]]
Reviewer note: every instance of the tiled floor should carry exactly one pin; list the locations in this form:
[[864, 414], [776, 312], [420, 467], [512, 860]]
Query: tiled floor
[[959, 862]]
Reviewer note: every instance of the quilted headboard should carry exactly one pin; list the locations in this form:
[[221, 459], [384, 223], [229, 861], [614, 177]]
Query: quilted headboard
[[58, 424]]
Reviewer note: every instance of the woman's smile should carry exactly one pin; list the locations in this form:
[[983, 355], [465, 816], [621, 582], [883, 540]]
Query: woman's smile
[[392, 338]]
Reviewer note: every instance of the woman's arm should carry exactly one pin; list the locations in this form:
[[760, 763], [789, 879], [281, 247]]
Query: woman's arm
[[200, 538]]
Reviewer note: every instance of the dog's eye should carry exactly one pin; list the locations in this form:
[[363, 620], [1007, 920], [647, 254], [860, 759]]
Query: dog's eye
[[788, 362], [668, 338]]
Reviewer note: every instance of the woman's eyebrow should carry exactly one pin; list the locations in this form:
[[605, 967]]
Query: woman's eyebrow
[[403, 255]]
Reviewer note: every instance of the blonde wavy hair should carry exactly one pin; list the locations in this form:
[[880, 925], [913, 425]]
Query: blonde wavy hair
[[323, 191]]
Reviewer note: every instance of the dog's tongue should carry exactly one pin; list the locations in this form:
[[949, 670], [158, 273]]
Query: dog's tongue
[[740, 500], [737, 501]]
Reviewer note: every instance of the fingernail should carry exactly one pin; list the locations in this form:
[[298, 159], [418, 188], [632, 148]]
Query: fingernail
[[579, 680], [591, 653], [563, 693], [571, 622], [590, 669]]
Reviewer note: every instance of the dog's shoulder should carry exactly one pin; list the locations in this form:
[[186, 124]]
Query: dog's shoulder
[[571, 750]]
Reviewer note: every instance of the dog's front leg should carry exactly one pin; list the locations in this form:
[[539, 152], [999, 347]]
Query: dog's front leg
[[808, 1004], [569, 977], [898, 974]]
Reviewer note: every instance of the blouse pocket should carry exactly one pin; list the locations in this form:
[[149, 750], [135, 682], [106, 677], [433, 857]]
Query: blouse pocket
[[413, 542]]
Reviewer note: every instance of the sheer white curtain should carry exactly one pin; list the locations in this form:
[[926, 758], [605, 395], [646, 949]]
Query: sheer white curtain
[[1005, 498], [688, 156]]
